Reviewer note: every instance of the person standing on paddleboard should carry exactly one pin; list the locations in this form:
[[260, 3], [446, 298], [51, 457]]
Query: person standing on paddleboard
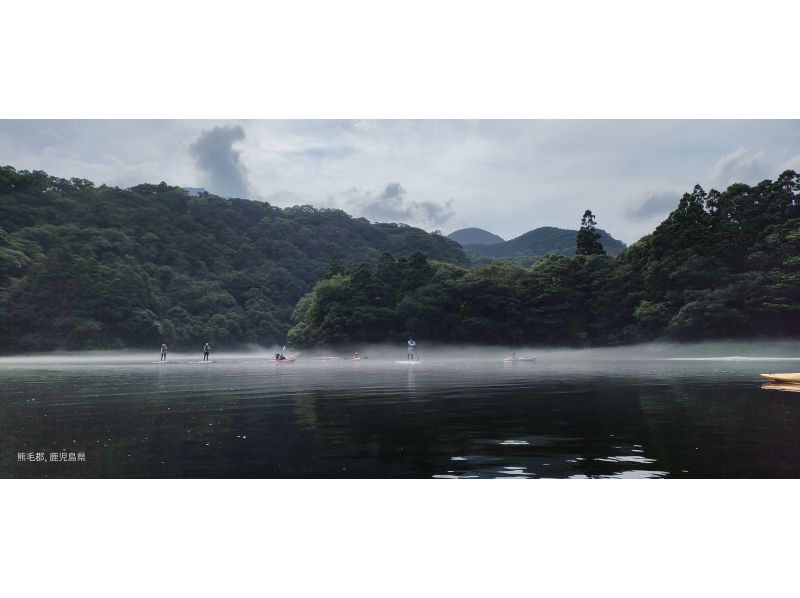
[[411, 344], [163, 352], [206, 351]]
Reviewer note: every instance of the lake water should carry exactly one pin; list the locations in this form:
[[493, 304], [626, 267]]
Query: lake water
[[629, 414]]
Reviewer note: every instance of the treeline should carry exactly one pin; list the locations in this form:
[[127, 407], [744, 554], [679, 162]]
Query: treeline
[[101, 267], [722, 265], [527, 249]]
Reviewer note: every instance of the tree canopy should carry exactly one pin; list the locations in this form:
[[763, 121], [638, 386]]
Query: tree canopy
[[83, 266], [722, 265]]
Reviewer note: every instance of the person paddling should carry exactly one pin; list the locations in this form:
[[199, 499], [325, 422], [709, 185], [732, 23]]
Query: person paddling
[[206, 351], [163, 352], [411, 344]]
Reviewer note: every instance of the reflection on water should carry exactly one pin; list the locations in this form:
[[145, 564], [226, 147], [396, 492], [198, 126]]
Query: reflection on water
[[561, 417]]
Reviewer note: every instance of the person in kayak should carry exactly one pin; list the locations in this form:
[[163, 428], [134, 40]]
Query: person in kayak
[[411, 344], [206, 351], [279, 357], [163, 352]]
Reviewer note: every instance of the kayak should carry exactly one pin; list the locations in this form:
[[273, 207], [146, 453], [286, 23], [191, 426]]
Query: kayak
[[280, 361], [512, 359], [791, 378]]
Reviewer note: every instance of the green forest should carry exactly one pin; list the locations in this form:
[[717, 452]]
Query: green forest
[[90, 267], [722, 265]]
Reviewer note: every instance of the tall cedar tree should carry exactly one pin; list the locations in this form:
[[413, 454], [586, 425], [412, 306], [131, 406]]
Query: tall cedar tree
[[588, 240]]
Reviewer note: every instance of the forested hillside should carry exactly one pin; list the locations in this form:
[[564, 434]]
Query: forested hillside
[[722, 265], [101, 267]]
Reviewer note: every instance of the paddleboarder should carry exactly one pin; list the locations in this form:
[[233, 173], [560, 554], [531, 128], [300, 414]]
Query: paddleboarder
[[206, 351], [411, 344], [163, 352]]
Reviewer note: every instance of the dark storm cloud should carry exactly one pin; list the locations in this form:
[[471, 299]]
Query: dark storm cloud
[[214, 155], [656, 204], [391, 205]]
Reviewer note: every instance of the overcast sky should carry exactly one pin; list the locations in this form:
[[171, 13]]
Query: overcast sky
[[505, 176]]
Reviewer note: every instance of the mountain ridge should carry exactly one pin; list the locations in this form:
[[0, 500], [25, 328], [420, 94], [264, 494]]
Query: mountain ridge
[[474, 236], [536, 243]]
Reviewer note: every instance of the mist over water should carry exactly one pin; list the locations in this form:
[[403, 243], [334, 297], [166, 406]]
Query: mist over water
[[715, 351], [655, 411]]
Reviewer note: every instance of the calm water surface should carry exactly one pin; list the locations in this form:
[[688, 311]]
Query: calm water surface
[[561, 417]]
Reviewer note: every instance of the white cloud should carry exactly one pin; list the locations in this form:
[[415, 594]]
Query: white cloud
[[392, 205], [741, 166], [792, 163]]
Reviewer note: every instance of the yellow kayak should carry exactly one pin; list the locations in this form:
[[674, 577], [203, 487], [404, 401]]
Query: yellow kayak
[[791, 378]]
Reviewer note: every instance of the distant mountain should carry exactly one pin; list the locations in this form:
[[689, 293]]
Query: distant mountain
[[526, 248], [474, 236]]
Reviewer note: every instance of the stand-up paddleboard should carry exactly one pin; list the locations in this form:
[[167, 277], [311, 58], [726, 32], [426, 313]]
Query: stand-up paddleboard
[[160, 362], [516, 359], [779, 386], [206, 361], [325, 358], [409, 362], [790, 378]]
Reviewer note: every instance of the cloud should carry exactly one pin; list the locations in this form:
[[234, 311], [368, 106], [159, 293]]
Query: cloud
[[391, 205], [283, 198], [792, 163], [507, 176], [214, 155], [655, 204], [741, 166]]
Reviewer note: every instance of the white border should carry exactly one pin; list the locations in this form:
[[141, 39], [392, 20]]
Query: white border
[[416, 59], [445, 59], [392, 538]]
